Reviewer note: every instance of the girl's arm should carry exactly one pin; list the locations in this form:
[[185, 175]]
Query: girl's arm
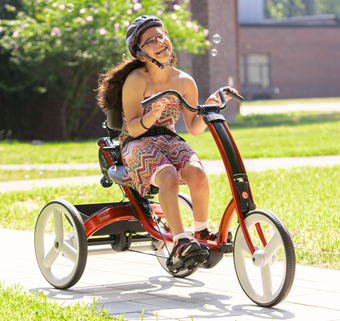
[[194, 123], [215, 97], [132, 95]]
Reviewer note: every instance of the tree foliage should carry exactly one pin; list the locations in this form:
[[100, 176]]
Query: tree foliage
[[295, 8], [59, 44]]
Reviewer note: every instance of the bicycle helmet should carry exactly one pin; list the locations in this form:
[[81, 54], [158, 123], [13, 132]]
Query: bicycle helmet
[[136, 29]]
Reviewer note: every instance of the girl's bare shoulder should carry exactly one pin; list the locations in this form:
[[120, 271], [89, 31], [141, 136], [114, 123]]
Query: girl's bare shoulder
[[188, 80], [135, 78]]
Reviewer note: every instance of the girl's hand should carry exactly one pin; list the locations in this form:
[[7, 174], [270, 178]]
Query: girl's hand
[[159, 106], [215, 97]]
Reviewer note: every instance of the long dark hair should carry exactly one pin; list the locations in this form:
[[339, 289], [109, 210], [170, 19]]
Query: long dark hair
[[110, 84]]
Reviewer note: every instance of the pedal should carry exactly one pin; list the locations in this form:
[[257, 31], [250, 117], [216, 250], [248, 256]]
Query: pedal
[[192, 261]]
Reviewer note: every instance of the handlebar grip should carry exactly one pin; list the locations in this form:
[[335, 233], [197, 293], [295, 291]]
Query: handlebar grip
[[237, 97], [152, 99]]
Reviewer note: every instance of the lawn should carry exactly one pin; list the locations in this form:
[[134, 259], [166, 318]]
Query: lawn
[[291, 101], [8, 175], [280, 135], [17, 305], [277, 135]]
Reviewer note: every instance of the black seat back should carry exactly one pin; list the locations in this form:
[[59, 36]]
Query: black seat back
[[114, 119]]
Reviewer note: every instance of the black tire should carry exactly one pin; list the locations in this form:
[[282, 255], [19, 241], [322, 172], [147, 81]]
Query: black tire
[[61, 257], [250, 269], [164, 251]]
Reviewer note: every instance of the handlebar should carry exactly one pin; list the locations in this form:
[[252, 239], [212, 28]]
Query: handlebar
[[200, 109]]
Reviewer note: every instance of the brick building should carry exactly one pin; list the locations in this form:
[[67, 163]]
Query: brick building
[[211, 72], [290, 58]]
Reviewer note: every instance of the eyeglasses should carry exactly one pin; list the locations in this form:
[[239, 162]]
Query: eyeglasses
[[153, 40]]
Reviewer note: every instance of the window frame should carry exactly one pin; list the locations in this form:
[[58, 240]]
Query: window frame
[[245, 67]]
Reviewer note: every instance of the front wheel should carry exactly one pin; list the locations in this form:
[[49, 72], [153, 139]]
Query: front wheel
[[164, 249], [267, 275]]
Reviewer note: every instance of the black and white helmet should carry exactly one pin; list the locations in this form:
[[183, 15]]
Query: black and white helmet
[[136, 29]]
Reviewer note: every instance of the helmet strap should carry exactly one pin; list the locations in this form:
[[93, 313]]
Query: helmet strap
[[156, 62]]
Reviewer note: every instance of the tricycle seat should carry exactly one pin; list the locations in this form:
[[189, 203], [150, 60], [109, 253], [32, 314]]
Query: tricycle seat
[[116, 174]]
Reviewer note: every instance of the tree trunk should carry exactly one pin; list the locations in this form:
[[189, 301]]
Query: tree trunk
[[73, 103]]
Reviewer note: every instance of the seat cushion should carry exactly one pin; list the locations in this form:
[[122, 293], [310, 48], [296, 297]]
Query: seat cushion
[[116, 174], [114, 119]]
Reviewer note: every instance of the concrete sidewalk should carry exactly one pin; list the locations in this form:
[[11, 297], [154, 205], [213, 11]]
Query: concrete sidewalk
[[130, 283], [211, 167]]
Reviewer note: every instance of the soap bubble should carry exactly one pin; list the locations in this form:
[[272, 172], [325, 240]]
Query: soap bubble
[[217, 38], [70, 7], [214, 52]]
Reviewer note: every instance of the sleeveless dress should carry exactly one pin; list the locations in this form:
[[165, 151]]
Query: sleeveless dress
[[145, 157]]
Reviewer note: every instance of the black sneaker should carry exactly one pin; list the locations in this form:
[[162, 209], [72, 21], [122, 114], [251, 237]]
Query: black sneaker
[[206, 235], [209, 235], [186, 254]]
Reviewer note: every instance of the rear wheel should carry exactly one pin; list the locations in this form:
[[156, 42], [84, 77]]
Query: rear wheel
[[164, 249], [267, 275], [60, 244]]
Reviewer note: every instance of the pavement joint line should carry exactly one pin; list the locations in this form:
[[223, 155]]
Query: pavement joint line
[[310, 305]]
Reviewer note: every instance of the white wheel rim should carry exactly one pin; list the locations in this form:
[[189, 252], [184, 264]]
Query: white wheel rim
[[57, 258], [261, 284]]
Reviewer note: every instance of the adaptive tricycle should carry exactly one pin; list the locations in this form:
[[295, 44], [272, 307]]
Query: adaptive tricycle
[[263, 252]]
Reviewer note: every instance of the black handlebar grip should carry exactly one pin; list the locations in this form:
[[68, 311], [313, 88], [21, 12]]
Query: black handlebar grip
[[237, 97], [152, 99]]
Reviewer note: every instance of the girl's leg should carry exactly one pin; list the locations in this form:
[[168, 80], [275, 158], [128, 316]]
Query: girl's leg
[[168, 183], [194, 176]]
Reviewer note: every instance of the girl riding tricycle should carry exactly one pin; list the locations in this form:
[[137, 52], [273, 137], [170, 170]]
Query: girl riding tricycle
[[143, 98]]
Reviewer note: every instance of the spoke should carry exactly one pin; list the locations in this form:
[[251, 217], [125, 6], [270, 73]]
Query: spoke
[[58, 224], [267, 283], [69, 252], [272, 246], [50, 258], [244, 246]]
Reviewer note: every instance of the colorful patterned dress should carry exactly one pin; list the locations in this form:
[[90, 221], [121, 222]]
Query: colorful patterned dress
[[144, 157]]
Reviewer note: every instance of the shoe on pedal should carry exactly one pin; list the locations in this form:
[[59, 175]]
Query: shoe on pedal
[[186, 254], [209, 235], [206, 235]]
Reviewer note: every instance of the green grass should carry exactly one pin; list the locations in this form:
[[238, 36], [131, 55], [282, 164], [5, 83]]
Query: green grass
[[9, 175], [291, 101], [14, 152], [277, 135], [17, 305], [281, 135], [305, 198]]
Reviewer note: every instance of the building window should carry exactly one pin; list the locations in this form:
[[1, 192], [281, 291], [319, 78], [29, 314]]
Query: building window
[[255, 70]]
